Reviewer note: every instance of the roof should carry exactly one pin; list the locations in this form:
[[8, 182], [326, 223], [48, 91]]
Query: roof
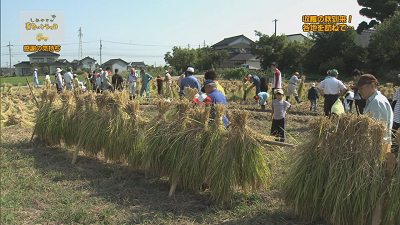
[[43, 54], [75, 61], [226, 41], [138, 64], [295, 35], [23, 63], [87, 57], [241, 57], [59, 62], [113, 61], [62, 60], [363, 39]]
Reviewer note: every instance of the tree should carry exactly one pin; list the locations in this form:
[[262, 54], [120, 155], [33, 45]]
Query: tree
[[380, 10], [180, 58], [293, 56], [384, 47], [269, 48], [209, 58]]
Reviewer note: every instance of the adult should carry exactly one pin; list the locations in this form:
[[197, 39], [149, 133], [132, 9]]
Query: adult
[[277, 84], [256, 82], [377, 106], [396, 120], [145, 83], [159, 85], [358, 100], [35, 79], [331, 88], [58, 81], [190, 81], [262, 99], [217, 98], [168, 80], [212, 75], [93, 80], [292, 88], [181, 77], [264, 82], [69, 79], [117, 80], [132, 78], [105, 79]]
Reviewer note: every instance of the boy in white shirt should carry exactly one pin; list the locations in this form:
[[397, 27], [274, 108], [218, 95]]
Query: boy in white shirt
[[279, 109]]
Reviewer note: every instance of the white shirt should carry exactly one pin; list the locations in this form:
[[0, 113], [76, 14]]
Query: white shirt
[[132, 77], [35, 74], [68, 77], [47, 77], [331, 86], [350, 96]]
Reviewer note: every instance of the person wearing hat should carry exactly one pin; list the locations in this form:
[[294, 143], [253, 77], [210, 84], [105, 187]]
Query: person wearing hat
[[256, 82], [292, 88], [279, 109], [132, 78], [35, 79], [189, 81], [58, 81], [262, 99], [69, 79], [277, 84], [377, 105], [145, 83], [331, 88], [217, 97], [212, 75], [203, 99], [159, 85], [76, 80], [313, 96], [168, 80]]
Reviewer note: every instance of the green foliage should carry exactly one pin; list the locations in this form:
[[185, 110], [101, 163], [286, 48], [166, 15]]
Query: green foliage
[[385, 47], [237, 73], [380, 10], [202, 59]]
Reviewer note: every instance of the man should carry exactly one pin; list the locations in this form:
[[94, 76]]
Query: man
[[159, 85], [377, 106], [217, 98], [168, 80], [35, 79], [264, 82], [359, 101], [145, 83], [256, 82], [58, 81], [190, 81], [69, 79], [212, 75], [117, 80], [292, 88], [331, 88], [181, 77], [132, 77], [105, 79], [277, 84]]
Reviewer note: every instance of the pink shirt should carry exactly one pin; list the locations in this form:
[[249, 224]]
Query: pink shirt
[[180, 79]]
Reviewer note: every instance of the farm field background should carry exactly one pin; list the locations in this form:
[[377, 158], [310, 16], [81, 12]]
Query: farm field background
[[39, 184]]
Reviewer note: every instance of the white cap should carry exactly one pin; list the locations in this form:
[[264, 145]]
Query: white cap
[[35, 69], [313, 84], [249, 76], [399, 75], [58, 70], [190, 69]]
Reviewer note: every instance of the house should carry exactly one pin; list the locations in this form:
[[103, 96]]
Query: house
[[40, 59], [364, 38], [247, 59], [234, 45], [87, 63], [59, 63], [296, 37], [136, 65], [116, 64]]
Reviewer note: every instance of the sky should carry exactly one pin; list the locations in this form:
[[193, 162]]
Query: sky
[[143, 31]]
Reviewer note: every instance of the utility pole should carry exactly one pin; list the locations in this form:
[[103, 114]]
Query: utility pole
[[204, 45], [80, 51], [101, 46], [9, 47], [275, 20], [188, 46]]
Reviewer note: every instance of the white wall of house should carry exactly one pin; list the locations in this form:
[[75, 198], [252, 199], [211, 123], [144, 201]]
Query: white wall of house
[[88, 64], [120, 65], [42, 59], [254, 64]]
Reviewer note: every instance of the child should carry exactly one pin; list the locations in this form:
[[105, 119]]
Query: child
[[348, 104], [159, 85], [262, 99], [313, 96], [279, 109]]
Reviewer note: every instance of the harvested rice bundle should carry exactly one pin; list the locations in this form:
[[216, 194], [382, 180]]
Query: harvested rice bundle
[[241, 161], [391, 213], [190, 93], [74, 122], [338, 175]]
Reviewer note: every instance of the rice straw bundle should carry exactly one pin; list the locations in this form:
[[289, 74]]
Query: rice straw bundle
[[338, 175], [392, 213], [190, 93]]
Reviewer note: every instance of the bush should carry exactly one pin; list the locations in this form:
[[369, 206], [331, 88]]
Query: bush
[[334, 63], [393, 77], [236, 74]]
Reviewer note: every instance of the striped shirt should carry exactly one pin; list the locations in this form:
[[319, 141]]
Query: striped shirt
[[396, 112], [279, 108], [277, 80]]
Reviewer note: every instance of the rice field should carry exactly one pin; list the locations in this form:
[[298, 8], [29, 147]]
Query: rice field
[[116, 161]]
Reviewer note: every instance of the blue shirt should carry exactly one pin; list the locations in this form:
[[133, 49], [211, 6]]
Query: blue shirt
[[146, 78], [189, 81], [256, 80], [35, 74], [218, 98], [378, 107], [262, 97]]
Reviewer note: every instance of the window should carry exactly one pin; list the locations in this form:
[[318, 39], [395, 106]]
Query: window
[[49, 60], [35, 60], [41, 60], [89, 63]]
